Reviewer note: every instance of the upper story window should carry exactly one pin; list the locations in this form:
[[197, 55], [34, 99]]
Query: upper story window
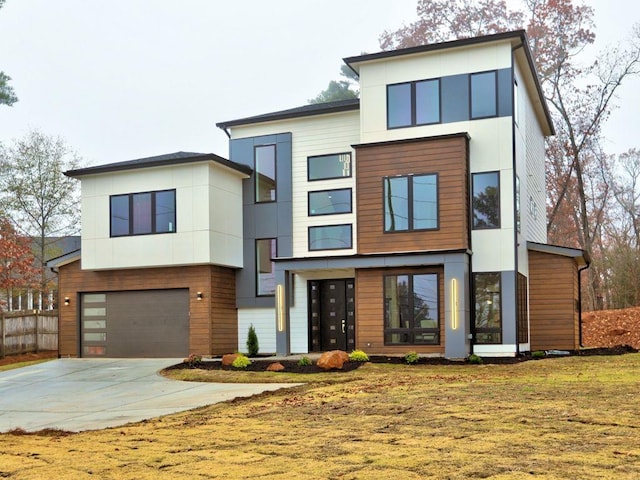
[[413, 103], [411, 203], [330, 237], [265, 252], [143, 213], [484, 98], [326, 167], [486, 200], [330, 202], [265, 173]]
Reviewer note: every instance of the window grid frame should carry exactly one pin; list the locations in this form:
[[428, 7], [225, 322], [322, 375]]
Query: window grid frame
[[412, 101], [310, 228], [330, 155], [473, 196], [309, 193], [153, 213], [495, 92], [256, 173], [410, 216]]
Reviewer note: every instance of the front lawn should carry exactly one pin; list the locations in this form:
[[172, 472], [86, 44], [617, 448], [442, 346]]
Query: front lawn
[[564, 418]]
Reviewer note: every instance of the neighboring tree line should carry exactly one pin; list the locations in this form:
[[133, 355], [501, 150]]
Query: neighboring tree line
[[593, 200]]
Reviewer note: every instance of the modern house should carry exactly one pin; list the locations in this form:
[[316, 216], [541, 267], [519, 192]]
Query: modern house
[[410, 219]]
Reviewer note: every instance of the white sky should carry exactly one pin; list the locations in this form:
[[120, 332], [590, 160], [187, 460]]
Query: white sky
[[126, 79]]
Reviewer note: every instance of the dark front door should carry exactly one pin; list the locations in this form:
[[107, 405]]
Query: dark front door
[[332, 315]]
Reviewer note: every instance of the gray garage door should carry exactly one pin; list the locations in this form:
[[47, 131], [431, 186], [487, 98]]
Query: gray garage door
[[150, 323]]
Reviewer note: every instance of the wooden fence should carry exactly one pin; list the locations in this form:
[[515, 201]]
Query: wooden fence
[[26, 332]]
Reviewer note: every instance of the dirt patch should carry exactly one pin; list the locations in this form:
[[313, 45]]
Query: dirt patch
[[28, 357], [608, 328]]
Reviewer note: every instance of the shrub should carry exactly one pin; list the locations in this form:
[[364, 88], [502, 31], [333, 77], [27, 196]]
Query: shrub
[[474, 359], [538, 354], [252, 342], [304, 362], [358, 356], [193, 360], [411, 358], [241, 362]]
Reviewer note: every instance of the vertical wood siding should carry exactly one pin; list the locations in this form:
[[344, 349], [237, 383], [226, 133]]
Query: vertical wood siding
[[445, 156], [211, 319], [553, 296]]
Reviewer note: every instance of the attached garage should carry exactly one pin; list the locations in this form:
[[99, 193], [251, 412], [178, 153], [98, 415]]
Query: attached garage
[[147, 323]]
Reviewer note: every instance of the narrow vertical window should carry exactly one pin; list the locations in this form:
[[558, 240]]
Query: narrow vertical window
[[427, 102], [119, 215], [425, 202], [518, 217], [265, 267], [488, 308], [265, 173], [483, 95], [142, 219], [396, 202], [399, 105], [486, 200], [165, 211]]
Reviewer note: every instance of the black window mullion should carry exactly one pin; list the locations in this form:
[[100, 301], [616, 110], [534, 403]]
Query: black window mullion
[[410, 203], [153, 212], [131, 222], [413, 104]]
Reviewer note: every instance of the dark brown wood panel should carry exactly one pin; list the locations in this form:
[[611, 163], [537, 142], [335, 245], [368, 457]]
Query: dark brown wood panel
[[553, 298], [370, 311], [448, 157], [211, 319]]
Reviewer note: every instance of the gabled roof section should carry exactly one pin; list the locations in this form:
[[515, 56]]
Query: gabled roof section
[[518, 40], [64, 259], [581, 257], [304, 111], [176, 158]]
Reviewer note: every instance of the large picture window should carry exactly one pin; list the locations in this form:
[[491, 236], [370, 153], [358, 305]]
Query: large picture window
[[330, 237], [413, 103], [410, 203], [483, 94], [488, 308], [330, 202], [265, 172], [411, 312], [326, 167], [265, 269], [143, 213], [486, 200]]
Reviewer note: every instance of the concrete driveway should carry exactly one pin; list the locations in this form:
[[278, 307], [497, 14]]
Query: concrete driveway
[[88, 394]]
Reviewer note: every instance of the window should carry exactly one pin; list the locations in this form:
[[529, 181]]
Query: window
[[265, 252], [483, 95], [143, 213], [488, 326], [518, 217], [411, 203], [330, 202], [486, 200], [411, 309], [330, 237], [265, 161], [515, 101], [326, 167], [523, 310], [413, 103]]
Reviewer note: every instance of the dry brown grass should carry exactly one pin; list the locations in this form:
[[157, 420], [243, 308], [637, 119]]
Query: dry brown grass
[[568, 418]]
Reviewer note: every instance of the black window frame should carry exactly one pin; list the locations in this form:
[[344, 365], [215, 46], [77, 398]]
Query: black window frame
[[310, 228], [412, 331], [256, 173], [523, 309], [410, 202], [153, 213], [487, 330], [257, 265], [495, 92], [310, 214], [412, 100], [314, 157], [473, 202]]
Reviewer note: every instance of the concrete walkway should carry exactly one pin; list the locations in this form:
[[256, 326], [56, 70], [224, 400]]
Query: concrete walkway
[[88, 394]]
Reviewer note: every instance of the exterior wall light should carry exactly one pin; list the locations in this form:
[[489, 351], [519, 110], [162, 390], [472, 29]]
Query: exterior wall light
[[67, 301], [454, 304], [280, 307], [198, 296]]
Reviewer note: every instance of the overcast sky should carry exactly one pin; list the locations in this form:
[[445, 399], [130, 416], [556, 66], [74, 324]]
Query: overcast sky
[[126, 79]]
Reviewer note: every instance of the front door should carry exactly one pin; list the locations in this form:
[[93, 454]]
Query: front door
[[332, 315]]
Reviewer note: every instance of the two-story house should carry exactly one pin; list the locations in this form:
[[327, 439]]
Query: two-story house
[[410, 219]]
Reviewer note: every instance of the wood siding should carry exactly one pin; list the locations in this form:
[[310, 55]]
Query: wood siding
[[553, 299], [210, 331], [448, 157], [370, 311]]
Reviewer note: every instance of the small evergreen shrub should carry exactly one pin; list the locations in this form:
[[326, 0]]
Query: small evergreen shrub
[[304, 362], [538, 354], [241, 362], [252, 342], [358, 356], [474, 359], [411, 358]]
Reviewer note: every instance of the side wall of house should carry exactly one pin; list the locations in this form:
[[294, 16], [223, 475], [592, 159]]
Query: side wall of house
[[553, 300], [212, 324]]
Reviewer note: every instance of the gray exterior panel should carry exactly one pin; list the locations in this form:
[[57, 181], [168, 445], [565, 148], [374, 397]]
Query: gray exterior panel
[[505, 92], [455, 98]]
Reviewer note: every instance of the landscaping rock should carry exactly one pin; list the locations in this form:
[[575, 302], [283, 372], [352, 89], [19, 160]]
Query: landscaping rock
[[334, 359], [229, 358], [275, 367]]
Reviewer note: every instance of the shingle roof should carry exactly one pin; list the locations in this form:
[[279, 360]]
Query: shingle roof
[[156, 161], [304, 111]]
